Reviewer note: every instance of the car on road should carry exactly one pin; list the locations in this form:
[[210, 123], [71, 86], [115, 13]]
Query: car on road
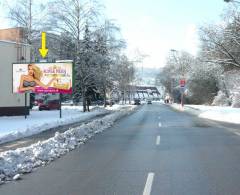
[[137, 102], [149, 102], [49, 105]]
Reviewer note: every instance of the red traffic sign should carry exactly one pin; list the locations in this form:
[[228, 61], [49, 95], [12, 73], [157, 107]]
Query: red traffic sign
[[182, 83]]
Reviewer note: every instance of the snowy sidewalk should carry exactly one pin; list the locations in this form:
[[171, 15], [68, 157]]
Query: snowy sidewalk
[[217, 113], [13, 128]]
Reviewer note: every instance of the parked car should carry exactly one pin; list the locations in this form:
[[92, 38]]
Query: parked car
[[68, 102], [49, 105], [97, 103], [137, 102], [37, 102], [110, 102]]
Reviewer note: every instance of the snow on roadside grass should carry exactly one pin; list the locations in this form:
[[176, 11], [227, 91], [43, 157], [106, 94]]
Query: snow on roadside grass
[[24, 160], [224, 114], [217, 113], [117, 107], [16, 127]]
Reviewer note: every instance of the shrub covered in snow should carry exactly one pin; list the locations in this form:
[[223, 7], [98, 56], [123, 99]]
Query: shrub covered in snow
[[221, 100], [202, 90], [232, 79], [236, 100]]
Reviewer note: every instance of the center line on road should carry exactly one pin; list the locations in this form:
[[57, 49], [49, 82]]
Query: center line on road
[[160, 124], [148, 185], [158, 140], [237, 133]]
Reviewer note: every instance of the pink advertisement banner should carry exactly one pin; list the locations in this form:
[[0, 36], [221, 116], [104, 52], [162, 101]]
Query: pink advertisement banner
[[42, 78]]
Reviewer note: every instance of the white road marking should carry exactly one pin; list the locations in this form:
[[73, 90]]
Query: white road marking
[[160, 124], [159, 117], [237, 133], [158, 140], [148, 185]]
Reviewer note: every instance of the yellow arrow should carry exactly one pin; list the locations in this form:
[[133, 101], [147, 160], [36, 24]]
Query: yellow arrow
[[43, 51]]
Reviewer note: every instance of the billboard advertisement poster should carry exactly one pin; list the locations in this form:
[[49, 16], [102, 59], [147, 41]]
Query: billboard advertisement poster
[[42, 78]]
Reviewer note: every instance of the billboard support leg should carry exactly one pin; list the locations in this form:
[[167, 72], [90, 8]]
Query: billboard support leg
[[182, 101], [60, 101], [25, 109]]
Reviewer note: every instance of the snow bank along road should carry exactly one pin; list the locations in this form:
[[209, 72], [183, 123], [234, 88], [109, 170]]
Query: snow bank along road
[[17, 132], [25, 159], [154, 151], [46, 134], [13, 128]]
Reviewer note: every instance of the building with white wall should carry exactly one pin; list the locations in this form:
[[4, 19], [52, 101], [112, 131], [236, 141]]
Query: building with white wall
[[11, 52]]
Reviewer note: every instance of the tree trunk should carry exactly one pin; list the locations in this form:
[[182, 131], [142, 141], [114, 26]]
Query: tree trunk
[[84, 99], [129, 96], [125, 99], [84, 104], [104, 91], [88, 103], [88, 106]]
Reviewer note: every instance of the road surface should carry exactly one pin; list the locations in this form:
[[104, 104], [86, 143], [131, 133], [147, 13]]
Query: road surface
[[154, 151]]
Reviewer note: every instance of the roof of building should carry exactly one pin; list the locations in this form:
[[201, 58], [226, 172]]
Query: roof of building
[[13, 42]]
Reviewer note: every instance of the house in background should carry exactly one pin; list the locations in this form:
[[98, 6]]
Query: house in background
[[12, 34]]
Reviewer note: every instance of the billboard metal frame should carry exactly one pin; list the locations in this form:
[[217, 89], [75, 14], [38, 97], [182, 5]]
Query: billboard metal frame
[[60, 94]]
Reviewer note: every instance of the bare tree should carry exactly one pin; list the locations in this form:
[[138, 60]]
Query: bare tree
[[124, 75], [106, 49], [74, 18], [221, 43], [71, 16], [31, 16]]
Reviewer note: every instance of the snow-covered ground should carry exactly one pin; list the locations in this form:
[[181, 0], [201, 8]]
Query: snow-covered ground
[[13, 163], [224, 114], [13, 128]]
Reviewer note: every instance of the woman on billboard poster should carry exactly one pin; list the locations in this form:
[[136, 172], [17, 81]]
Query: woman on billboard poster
[[32, 79]]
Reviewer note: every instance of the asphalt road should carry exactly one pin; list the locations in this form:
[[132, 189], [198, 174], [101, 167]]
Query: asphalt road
[[154, 151]]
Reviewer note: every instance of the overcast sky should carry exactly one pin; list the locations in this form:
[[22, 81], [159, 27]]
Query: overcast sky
[[155, 26]]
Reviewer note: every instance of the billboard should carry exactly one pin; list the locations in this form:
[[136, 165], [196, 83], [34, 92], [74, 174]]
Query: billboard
[[42, 78]]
